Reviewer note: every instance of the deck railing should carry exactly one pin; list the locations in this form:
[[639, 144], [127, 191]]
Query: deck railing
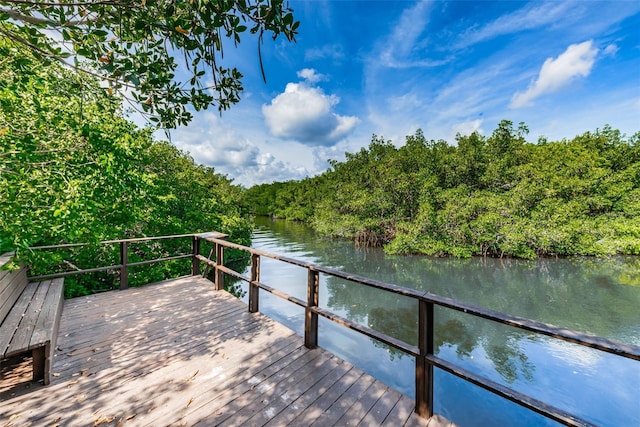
[[425, 359], [124, 264], [424, 355]]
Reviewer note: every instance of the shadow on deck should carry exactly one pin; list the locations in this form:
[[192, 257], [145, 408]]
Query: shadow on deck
[[180, 353]]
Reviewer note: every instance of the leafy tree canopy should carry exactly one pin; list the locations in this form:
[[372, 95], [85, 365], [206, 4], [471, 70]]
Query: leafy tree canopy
[[74, 170], [142, 48]]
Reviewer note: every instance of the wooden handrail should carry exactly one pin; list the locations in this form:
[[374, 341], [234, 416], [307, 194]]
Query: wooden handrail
[[602, 344], [108, 242], [426, 361], [124, 264]]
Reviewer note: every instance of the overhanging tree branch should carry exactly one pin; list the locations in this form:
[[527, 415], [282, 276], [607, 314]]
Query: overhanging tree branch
[[133, 45]]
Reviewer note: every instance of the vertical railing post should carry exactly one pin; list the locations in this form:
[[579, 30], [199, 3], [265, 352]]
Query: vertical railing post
[[124, 268], [254, 290], [424, 369], [195, 251], [311, 318], [219, 274]]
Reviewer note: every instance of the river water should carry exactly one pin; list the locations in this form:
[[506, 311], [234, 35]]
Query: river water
[[596, 296]]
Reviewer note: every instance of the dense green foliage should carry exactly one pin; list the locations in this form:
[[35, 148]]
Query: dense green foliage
[[143, 47], [73, 169], [493, 196]]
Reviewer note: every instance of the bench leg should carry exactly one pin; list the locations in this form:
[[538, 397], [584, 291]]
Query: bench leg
[[39, 356]]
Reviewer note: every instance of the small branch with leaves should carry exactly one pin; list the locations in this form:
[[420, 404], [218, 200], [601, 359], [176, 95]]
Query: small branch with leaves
[[133, 45]]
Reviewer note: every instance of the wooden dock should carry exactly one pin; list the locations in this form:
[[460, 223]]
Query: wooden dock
[[180, 353]]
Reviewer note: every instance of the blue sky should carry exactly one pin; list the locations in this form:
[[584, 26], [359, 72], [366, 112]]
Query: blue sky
[[390, 67]]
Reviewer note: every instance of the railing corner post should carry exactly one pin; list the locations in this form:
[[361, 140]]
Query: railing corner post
[[124, 268], [254, 290], [311, 318], [195, 261], [424, 369]]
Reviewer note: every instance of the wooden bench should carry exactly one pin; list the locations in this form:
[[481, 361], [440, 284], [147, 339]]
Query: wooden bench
[[29, 318]]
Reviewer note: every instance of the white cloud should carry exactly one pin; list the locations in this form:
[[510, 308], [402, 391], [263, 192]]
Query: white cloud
[[576, 61], [304, 113], [311, 75], [611, 50], [403, 102], [214, 142], [399, 48], [468, 127], [334, 52], [527, 18], [270, 169]]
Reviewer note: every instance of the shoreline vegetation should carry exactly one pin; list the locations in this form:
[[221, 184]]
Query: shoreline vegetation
[[497, 195]]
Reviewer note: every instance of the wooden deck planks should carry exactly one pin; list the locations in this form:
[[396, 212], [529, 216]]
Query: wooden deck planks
[[297, 405], [180, 353]]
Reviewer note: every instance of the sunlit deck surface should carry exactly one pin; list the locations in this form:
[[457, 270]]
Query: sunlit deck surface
[[180, 353]]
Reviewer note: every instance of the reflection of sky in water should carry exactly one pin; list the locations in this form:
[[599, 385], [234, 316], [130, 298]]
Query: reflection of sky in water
[[603, 389], [583, 358]]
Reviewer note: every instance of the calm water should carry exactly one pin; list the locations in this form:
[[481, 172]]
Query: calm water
[[597, 296]]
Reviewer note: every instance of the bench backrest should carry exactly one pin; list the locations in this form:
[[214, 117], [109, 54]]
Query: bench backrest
[[12, 283]]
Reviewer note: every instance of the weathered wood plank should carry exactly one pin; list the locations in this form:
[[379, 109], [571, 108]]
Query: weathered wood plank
[[188, 334], [276, 399], [175, 381], [439, 421], [213, 385], [341, 405], [142, 391], [22, 338], [296, 406], [320, 405], [102, 317], [4, 259], [261, 394], [400, 413], [81, 338], [50, 314], [245, 392], [11, 288], [381, 408], [139, 365], [139, 375], [13, 319], [360, 408], [50, 320]]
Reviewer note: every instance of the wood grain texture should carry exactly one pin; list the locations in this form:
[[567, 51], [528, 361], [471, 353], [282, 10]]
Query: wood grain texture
[[11, 286], [30, 314], [181, 353], [9, 326]]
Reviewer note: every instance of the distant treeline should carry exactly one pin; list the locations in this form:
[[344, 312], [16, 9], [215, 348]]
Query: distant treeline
[[494, 196]]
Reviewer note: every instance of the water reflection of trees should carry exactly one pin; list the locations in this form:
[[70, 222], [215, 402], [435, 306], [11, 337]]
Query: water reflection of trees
[[396, 316], [555, 291], [559, 292]]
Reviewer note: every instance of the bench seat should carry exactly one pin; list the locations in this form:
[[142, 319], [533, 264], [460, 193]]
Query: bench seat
[[30, 315]]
